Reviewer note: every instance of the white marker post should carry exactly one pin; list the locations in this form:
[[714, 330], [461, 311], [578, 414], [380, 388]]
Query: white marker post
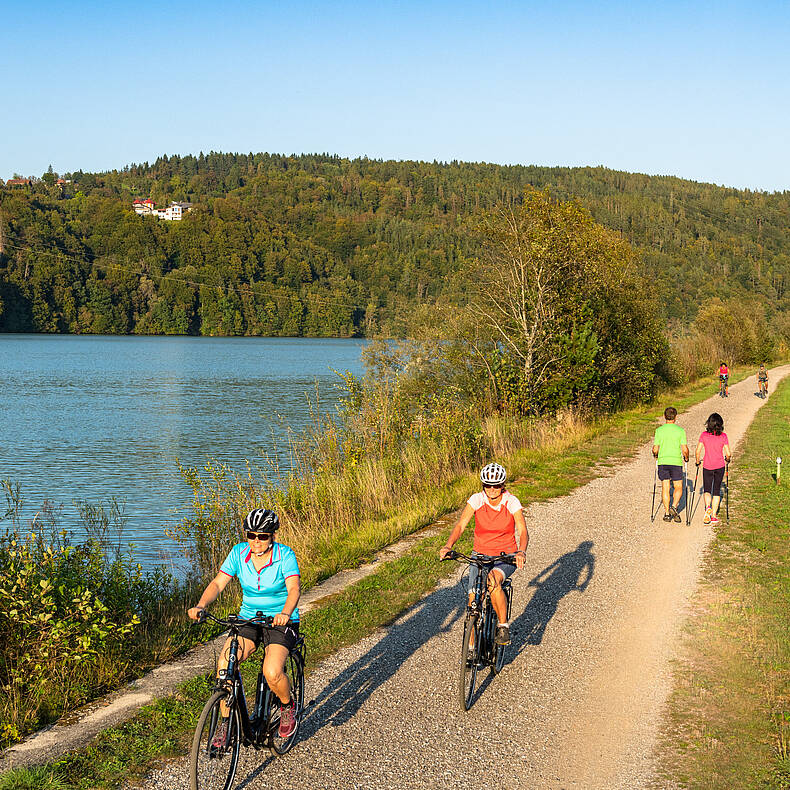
[[778, 468]]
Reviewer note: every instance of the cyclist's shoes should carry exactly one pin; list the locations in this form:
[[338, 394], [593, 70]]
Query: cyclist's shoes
[[503, 634], [667, 517], [674, 515], [287, 719], [220, 739], [706, 519]]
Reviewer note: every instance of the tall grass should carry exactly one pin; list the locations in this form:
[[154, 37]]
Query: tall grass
[[77, 618]]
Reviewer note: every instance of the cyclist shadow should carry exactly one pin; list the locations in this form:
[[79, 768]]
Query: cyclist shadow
[[342, 698], [572, 572]]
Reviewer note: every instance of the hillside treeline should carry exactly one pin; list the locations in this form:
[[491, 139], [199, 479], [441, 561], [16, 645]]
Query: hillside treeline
[[320, 245]]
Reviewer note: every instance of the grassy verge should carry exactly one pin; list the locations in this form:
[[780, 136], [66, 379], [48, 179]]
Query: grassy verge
[[729, 717], [555, 467]]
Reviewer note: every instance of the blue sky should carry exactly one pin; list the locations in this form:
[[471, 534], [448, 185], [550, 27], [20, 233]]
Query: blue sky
[[698, 90]]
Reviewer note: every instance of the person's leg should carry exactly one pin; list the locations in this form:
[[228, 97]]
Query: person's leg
[[246, 649], [665, 494], [274, 671], [715, 504], [677, 493], [498, 597], [707, 500]]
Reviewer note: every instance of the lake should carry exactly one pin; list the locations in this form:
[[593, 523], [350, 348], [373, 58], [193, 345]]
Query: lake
[[93, 417]]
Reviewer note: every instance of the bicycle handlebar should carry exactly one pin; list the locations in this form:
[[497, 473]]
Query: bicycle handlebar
[[482, 561], [235, 620]]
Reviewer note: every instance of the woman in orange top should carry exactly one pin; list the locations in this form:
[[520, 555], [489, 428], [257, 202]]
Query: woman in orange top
[[498, 516]]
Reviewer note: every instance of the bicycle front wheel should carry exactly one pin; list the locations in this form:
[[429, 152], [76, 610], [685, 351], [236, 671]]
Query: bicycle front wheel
[[470, 657], [213, 759], [294, 669]]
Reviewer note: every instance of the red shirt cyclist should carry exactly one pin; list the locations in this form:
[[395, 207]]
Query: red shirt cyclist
[[498, 517]]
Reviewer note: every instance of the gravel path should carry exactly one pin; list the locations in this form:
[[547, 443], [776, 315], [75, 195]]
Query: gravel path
[[596, 614]]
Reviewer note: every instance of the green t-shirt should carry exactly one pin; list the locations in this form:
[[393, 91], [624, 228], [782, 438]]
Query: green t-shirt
[[669, 438]]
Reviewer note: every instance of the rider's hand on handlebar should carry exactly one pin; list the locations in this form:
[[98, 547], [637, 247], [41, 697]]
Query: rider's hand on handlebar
[[196, 613], [443, 552], [521, 558], [280, 619]]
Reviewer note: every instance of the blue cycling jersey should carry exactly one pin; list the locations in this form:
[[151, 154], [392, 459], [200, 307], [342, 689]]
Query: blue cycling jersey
[[264, 590]]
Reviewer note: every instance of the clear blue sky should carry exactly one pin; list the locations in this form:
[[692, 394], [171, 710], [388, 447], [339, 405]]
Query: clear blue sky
[[699, 90]]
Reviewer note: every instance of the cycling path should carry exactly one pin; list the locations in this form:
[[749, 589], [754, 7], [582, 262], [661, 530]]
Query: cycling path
[[596, 614]]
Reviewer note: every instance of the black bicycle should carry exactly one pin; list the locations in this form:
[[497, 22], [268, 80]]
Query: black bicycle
[[213, 760], [479, 648], [723, 386]]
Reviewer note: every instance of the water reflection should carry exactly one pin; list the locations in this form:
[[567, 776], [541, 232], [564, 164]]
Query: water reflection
[[92, 417]]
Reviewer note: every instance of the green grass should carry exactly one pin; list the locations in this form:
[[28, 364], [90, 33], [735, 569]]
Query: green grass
[[162, 729], [729, 716]]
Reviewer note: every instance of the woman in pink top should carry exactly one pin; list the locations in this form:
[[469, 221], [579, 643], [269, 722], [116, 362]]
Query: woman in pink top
[[713, 451]]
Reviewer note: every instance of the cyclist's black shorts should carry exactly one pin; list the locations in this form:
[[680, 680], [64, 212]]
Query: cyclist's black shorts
[[723, 378], [285, 635]]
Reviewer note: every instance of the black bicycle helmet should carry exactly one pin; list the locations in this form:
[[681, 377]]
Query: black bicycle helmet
[[262, 520]]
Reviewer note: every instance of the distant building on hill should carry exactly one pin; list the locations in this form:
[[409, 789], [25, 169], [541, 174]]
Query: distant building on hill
[[174, 212], [18, 182]]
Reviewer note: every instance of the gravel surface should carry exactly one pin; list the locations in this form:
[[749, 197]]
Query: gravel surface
[[596, 614]]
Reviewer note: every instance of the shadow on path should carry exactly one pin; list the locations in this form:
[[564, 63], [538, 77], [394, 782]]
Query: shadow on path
[[340, 700], [569, 573]]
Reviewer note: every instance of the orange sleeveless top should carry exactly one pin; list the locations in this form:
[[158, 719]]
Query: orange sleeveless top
[[495, 530]]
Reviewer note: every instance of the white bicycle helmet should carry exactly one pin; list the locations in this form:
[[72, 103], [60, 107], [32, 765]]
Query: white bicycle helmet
[[493, 475]]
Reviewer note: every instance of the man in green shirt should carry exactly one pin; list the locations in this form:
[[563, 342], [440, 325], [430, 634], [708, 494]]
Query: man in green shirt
[[671, 450]]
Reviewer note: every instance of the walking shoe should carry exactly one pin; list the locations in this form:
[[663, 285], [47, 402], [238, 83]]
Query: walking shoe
[[219, 741], [503, 634], [287, 719], [714, 519], [706, 519], [667, 517], [674, 515]]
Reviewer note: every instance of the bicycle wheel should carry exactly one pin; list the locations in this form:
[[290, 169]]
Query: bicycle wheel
[[214, 767], [294, 669], [469, 661]]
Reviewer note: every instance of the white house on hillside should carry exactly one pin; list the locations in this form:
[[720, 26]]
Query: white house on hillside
[[174, 212]]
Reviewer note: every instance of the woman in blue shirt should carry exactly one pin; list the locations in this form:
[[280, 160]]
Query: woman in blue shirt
[[269, 576]]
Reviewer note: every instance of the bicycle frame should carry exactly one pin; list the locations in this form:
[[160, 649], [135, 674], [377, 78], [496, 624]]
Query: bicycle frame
[[256, 730]]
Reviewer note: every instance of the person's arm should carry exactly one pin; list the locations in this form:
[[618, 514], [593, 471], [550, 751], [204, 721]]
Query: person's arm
[[523, 538], [210, 594], [294, 587], [684, 449], [726, 450], [655, 450], [458, 530], [699, 453]]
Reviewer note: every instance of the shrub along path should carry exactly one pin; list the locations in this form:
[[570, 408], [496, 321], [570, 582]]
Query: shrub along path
[[596, 619]]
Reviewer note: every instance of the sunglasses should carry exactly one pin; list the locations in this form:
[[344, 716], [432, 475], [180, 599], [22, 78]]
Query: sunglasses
[[259, 535], [498, 486]]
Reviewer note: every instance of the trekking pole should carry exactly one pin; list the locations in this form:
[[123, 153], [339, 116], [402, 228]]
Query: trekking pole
[[693, 495], [727, 489], [686, 489], [653, 504]]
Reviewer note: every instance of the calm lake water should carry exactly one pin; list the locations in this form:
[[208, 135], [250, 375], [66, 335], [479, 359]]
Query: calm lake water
[[89, 418]]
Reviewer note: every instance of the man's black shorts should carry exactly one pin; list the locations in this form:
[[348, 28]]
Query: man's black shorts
[[670, 472], [285, 635]]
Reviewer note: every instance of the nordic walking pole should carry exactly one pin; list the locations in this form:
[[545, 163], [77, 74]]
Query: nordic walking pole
[[653, 504], [686, 489], [727, 489], [693, 494]]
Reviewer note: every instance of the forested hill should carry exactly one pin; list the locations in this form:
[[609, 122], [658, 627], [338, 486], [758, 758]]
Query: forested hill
[[320, 245]]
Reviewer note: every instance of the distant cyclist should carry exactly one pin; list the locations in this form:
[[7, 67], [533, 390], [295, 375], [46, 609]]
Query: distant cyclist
[[498, 516], [671, 450], [762, 381], [269, 576], [724, 377], [713, 451]]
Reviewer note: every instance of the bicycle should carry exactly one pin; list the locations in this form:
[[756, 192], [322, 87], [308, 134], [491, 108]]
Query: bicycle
[[723, 387], [214, 766], [479, 648], [763, 384]]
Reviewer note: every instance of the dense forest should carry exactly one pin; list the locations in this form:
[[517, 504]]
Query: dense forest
[[321, 245]]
